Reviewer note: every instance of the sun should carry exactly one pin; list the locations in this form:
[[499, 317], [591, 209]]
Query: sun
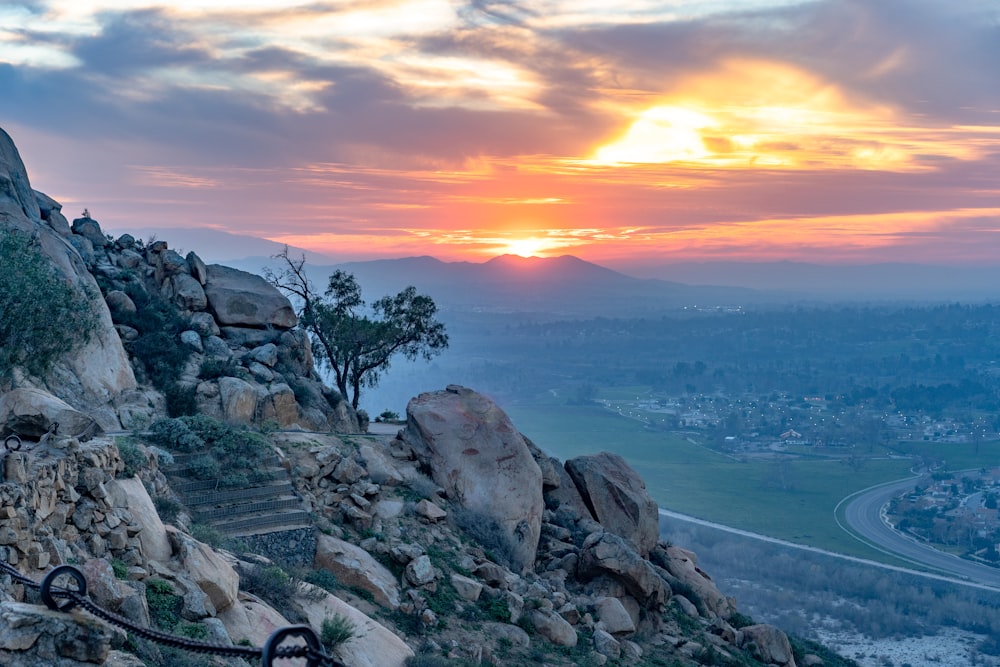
[[532, 247]]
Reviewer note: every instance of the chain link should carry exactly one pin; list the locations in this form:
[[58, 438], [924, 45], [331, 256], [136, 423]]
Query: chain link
[[313, 651]]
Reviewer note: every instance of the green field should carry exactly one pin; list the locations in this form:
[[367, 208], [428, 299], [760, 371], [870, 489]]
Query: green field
[[688, 478]]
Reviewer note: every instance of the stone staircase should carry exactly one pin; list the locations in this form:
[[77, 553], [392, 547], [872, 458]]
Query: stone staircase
[[264, 506]]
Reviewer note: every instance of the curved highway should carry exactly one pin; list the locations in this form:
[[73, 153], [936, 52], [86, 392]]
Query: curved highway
[[863, 513]]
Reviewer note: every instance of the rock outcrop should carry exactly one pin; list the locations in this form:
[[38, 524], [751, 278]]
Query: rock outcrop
[[616, 496], [475, 453], [236, 322], [95, 375], [241, 299]]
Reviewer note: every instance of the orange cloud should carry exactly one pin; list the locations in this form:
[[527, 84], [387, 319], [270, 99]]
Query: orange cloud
[[752, 114]]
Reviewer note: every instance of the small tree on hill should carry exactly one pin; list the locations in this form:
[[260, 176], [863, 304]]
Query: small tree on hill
[[357, 343]]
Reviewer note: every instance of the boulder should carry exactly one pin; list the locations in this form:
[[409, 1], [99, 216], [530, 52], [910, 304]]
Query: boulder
[[430, 511], [609, 554], [607, 645], [420, 571], [186, 292], [371, 645], [265, 354], [130, 493], [613, 615], [32, 635], [355, 567], [119, 302], [197, 268], [279, 405], [617, 497], [90, 229], [553, 627], [207, 569], [682, 564], [768, 644], [466, 588], [239, 400], [31, 413], [251, 620], [482, 462], [204, 324], [16, 195], [238, 298], [51, 212]]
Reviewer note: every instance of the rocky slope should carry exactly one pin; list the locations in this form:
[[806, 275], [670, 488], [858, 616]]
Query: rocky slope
[[457, 541], [172, 334]]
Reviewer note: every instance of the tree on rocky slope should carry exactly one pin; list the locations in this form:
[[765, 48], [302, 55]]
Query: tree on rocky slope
[[355, 340]]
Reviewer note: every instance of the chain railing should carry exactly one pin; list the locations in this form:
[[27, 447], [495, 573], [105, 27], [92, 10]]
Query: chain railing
[[60, 598]]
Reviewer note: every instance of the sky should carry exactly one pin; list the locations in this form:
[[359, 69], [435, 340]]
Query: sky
[[629, 133]]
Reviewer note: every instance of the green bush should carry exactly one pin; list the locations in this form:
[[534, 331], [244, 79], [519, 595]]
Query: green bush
[[213, 369], [42, 316], [167, 508], [119, 568], [335, 632], [272, 584], [164, 605], [132, 457], [323, 578], [210, 536], [158, 347]]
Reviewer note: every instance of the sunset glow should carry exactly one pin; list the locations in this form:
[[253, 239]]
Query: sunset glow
[[741, 129]]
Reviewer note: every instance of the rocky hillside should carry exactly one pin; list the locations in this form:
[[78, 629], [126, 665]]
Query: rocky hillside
[[170, 334], [456, 541]]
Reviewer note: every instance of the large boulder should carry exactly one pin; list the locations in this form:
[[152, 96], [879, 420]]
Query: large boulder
[[475, 453], [609, 554], [617, 497], [206, 568], [242, 299], [130, 493], [355, 567], [682, 565], [92, 375], [30, 413], [33, 635], [16, 195], [371, 644], [251, 620], [768, 644]]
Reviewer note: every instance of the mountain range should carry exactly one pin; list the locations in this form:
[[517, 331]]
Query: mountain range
[[570, 286]]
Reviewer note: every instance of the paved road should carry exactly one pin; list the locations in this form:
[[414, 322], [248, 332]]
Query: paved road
[[863, 513]]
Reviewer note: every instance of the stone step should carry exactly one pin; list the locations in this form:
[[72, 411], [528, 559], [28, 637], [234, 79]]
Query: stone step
[[248, 508], [272, 521], [195, 499]]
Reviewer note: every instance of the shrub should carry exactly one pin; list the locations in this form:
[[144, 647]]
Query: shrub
[[272, 584], [205, 467], [387, 416], [132, 457], [167, 508], [213, 369], [36, 307], [335, 632], [164, 605], [207, 534], [191, 630], [487, 533], [322, 578], [158, 347], [119, 568]]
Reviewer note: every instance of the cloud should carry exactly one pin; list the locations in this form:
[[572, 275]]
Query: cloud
[[415, 118]]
